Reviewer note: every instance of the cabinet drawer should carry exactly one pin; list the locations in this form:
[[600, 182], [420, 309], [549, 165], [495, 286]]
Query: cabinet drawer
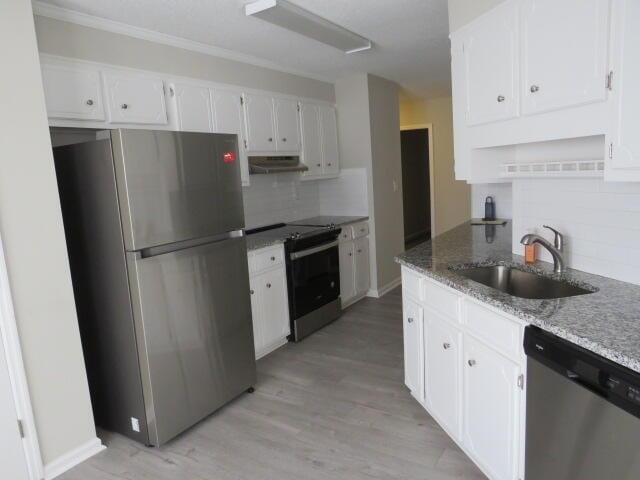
[[266, 258], [412, 283], [500, 332], [360, 229], [442, 300]]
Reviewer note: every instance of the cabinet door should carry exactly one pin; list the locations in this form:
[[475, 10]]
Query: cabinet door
[[491, 409], [259, 120], [564, 53], [72, 92], [491, 66], [228, 118], [442, 372], [287, 129], [257, 311], [276, 306], [193, 108], [135, 99], [624, 157], [330, 154], [347, 272], [413, 329], [361, 247], [311, 138]]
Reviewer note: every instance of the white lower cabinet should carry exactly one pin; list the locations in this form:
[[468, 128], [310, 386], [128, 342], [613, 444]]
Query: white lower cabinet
[[413, 329], [443, 348], [491, 406], [355, 270], [269, 300], [472, 387]]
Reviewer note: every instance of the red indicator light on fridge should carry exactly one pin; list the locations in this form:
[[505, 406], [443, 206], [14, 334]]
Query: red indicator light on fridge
[[229, 157]]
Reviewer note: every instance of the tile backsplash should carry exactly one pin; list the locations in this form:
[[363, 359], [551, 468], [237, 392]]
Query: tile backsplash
[[600, 221], [279, 198], [285, 197]]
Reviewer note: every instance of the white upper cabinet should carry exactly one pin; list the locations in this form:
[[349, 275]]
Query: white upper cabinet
[[287, 125], [623, 140], [135, 98], [491, 406], [192, 105], [564, 48], [260, 123], [229, 118], [329, 129], [311, 140], [490, 50], [72, 92]]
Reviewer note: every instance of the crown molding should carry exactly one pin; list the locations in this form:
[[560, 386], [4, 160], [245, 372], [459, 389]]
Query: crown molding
[[58, 13]]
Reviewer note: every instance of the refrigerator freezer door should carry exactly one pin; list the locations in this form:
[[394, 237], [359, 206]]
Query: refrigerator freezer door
[[176, 186], [192, 313]]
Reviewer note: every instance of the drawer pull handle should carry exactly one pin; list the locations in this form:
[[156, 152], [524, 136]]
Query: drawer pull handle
[[409, 320], [124, 106], [270, 139], [273, 259], [284, 139], [500, 98], [350, 254], [471, 362], [252, 292], [446, 346], [359, 251], [89, 102], [534, 88], [318, 165], [268, 285]]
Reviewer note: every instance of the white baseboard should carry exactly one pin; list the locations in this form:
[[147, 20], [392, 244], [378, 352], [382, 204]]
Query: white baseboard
[[353, 300], [73, 458], [385, 288], [271, 347]]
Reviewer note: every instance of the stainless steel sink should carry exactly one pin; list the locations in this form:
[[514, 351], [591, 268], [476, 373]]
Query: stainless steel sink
[[520, 283]]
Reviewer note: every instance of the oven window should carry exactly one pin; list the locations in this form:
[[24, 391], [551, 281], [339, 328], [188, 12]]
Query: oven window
[[315, 281]]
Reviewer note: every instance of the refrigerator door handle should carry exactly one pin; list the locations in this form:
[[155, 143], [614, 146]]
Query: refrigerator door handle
[[194, 243]]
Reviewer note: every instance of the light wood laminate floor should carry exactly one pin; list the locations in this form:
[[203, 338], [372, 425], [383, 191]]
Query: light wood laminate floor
[[331, 407]]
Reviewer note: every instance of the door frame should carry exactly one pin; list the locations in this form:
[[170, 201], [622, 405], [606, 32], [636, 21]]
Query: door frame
[[432, 197], [11, 342]]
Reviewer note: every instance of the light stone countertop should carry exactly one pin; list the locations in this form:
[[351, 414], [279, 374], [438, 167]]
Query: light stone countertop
[[606, 322]]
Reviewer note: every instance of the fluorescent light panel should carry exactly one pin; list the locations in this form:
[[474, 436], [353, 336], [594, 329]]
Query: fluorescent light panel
[[290, 16]]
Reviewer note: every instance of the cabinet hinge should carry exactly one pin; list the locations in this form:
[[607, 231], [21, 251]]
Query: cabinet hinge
[[241, 100], [609, 80], [298, 107], [172, 91], [245, 144], [521, 381], [610, 150], [21, 428]]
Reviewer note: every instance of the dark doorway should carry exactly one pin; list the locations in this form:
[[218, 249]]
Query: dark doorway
[[416, 186]]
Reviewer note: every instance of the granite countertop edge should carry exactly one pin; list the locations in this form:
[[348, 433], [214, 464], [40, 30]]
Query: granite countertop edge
[[437, 269]]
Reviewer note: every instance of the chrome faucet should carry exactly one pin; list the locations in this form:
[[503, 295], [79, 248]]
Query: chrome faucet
[[555, 250]]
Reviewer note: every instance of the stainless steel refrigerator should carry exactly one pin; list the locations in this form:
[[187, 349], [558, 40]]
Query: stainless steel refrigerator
[[153, 222]]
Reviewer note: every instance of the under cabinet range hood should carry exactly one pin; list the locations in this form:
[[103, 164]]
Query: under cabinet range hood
[[259, 165]]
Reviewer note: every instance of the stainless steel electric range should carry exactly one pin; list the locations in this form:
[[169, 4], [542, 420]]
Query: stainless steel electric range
[[313, 274]]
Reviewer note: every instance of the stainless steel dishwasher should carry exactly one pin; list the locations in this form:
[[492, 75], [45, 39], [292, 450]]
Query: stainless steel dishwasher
[[583, 413]]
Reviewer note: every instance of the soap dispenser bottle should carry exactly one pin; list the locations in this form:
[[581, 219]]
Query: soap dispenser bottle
[[489, 209]]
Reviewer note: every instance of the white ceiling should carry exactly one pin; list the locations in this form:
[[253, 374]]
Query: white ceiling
[[410, 36]]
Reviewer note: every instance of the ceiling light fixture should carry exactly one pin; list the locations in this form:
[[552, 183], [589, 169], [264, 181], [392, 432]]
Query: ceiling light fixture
[[287, 15]]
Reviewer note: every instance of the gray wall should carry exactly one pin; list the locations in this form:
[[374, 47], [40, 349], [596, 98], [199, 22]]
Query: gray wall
[[369, 132], [31, 228], [462, 12], [384, 113], [69, 40]]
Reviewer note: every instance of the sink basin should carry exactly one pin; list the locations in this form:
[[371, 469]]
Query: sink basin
[[520, 283]]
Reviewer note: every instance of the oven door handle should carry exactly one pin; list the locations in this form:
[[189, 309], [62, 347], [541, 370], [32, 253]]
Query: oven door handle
[[311, 251]]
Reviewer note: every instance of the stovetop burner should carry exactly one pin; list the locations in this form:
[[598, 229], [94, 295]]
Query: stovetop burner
[[297, 236]]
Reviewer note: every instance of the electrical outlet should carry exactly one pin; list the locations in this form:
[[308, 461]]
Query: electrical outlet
[[135, 424]]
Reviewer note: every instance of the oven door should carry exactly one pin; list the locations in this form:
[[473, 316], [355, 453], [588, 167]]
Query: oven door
[[314, 278]]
